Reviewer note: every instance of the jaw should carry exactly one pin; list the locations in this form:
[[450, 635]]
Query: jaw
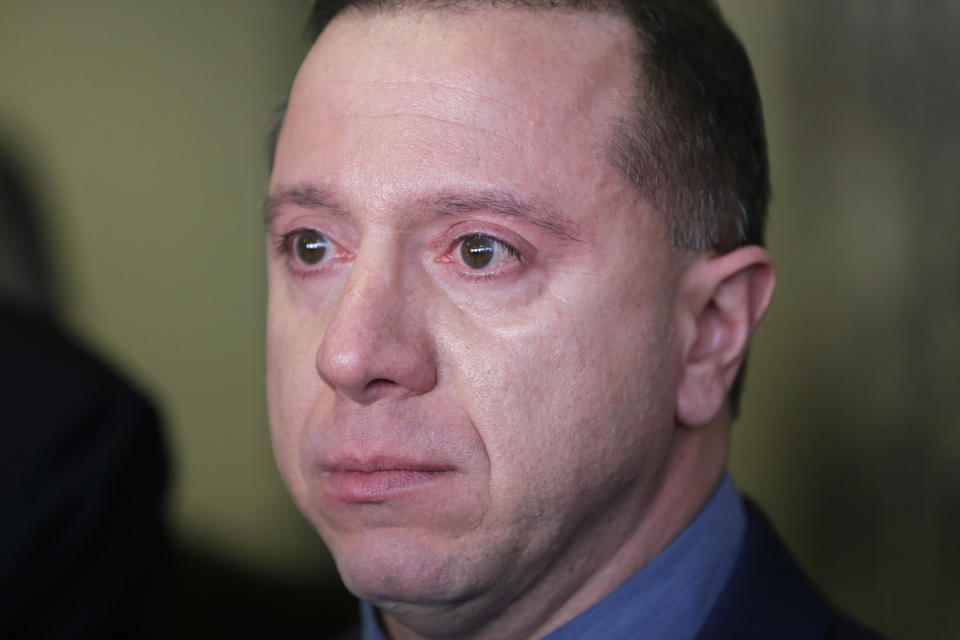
[[603, 553]]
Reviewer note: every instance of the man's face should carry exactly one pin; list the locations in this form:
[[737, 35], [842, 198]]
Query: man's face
[[471, 374]]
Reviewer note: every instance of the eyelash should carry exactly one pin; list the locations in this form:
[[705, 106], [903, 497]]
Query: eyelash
[[283, 243]]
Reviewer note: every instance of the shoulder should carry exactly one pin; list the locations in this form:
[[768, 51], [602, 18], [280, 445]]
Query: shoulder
[[768, 596], [83, 471], [353, 634], [62, 402], [75, 433], [66, 412], [46, 374]]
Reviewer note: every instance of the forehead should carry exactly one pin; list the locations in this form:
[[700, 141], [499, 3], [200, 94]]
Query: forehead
[[543, 53], [484, 88]]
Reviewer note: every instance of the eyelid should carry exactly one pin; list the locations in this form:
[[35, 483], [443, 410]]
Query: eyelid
[[286, 223], [503, 244], [283, 242], [464, 229], [515, 259]]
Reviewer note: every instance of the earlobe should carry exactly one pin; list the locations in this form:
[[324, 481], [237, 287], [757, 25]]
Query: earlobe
[[723, 298]]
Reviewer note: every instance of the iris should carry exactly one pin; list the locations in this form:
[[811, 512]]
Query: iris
[[311, 246], [478, 251]]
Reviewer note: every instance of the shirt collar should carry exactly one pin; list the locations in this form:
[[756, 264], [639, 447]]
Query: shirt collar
[[670, 597]]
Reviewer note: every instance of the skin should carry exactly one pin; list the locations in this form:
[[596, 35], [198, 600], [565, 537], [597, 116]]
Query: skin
[[488, 452]]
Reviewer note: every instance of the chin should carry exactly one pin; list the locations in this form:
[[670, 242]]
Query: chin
[[393, 567]]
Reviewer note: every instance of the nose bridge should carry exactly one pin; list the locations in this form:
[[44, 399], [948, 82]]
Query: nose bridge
[[376, 342], [366, 309]]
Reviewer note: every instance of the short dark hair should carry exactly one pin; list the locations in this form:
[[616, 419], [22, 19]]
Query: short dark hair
[[693, 139]]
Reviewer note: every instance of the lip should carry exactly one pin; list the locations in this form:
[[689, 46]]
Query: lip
[[378, 481]]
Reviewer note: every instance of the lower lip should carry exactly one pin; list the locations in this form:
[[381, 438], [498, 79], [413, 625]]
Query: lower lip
[[379, 486]]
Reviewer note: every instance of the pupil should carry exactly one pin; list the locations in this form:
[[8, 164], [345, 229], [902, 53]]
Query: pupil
[[477, 251], [311, 246]]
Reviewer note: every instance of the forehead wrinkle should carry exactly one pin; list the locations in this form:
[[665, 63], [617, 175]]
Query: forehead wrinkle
[[465, 125], [413, 84], [435, 100]]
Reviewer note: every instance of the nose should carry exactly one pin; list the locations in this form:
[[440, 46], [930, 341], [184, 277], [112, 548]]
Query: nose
[[376, 344]]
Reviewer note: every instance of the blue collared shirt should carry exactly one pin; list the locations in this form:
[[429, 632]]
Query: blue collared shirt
[[670, 597]]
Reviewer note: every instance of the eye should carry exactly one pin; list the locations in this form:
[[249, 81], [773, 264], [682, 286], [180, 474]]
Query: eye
[[308, 251], [481, 252], [310, 246]]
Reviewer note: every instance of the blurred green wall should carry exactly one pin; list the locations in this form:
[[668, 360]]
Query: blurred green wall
[[143, 125], [849, 436]]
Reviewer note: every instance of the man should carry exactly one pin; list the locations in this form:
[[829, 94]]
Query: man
[[515, 268]]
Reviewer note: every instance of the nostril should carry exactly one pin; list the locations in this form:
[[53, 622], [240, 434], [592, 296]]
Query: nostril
[[379, 384]]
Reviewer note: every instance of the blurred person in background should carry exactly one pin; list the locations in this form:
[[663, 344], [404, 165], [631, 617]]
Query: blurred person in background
[[82, 463]]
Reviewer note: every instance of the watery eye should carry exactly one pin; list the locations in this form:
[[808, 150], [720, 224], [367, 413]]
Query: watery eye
[[310, 246], [478, 251]]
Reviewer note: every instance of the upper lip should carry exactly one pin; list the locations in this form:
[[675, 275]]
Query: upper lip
[[373, 465]]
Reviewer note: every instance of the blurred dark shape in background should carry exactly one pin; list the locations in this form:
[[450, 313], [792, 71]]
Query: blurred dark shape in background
[[25, 275], [82, 465], [82, 474], [218, 599]]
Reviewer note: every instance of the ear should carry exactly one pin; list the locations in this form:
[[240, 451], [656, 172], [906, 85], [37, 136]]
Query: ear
[[721, 301]]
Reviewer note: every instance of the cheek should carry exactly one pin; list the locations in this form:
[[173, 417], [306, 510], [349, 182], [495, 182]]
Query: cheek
[[291, 384], [553, 407]]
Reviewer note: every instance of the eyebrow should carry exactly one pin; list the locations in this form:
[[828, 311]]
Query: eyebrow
[[308, 196], [503, 202], [506, 203]]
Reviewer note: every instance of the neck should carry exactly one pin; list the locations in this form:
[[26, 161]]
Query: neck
[[648, 521]]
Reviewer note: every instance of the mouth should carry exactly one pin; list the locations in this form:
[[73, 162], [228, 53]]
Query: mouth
[[380, 480]]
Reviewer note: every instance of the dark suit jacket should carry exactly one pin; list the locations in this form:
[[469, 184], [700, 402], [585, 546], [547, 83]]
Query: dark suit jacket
[[768, 597], [82, 474]]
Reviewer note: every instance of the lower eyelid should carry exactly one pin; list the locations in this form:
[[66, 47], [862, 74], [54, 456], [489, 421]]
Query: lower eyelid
[[511, 261]]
